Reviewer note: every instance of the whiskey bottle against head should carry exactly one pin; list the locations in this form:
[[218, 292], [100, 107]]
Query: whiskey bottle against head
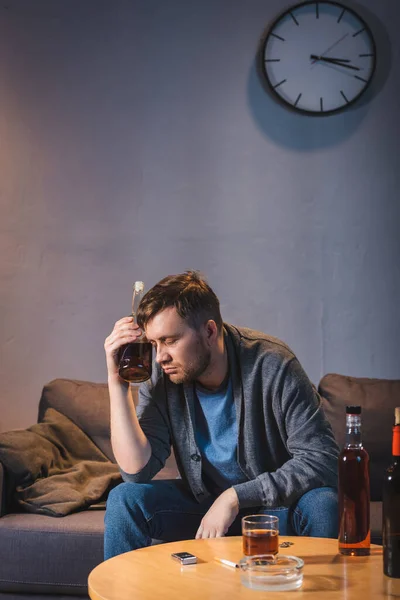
[[135, 358], [354, 490], [391, 507]]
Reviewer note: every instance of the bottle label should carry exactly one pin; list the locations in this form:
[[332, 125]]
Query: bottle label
[[396, 441]]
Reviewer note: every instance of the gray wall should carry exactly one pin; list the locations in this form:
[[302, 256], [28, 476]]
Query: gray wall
[[136, 141]]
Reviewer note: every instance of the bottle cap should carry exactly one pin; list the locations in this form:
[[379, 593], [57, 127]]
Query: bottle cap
[[353, 410], [139, 286]]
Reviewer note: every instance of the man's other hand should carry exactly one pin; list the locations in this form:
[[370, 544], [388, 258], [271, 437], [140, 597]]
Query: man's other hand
[[219, 516]]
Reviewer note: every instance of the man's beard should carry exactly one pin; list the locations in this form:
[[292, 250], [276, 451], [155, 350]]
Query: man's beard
[[194, 369]]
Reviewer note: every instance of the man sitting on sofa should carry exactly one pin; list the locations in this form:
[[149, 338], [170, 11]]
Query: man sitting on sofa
[[246, 425]]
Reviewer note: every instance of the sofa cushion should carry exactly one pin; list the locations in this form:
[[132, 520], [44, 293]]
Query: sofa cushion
[[87, 404], [378, 399], [46, 555]]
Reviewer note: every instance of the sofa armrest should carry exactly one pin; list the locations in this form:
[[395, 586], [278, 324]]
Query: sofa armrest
[[2, 491]]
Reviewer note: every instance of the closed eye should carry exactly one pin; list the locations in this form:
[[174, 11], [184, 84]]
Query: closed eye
[[167, 342]]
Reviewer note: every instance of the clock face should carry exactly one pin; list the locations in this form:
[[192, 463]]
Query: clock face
[[319, 57]]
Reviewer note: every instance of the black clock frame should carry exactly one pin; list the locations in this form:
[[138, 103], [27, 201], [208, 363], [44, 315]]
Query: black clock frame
[[263, 69]]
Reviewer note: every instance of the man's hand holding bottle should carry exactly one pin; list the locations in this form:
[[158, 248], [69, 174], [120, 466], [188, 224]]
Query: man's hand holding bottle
[[125, 331]]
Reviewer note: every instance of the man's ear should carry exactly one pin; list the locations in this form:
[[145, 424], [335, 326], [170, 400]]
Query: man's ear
[[211, 331]]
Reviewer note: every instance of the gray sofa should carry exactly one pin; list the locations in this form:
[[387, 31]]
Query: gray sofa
[[52, 557]]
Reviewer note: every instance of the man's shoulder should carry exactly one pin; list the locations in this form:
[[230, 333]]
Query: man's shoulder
[[252, 340]]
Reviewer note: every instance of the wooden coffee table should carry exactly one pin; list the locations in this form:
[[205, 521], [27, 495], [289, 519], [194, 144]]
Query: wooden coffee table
[[151, 573]]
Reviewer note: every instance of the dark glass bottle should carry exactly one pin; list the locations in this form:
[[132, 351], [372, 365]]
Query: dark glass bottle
[[135, 359], [354, 491], [391, 507]]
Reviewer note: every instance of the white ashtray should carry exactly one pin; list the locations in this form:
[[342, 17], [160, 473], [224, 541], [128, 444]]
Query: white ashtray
[[271, 572]]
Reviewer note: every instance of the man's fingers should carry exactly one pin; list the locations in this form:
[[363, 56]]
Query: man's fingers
[[123, 321], [113, 343], [125, 325], [132, 327], [199, 533], [124, 331], [215, 533], [210, 533], [134, 332]]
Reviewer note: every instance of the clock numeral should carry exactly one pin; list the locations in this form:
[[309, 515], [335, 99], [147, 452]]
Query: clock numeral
[[361, 78], [321, 104], [294, 19], [297, 99], [278, 36], [317, 10], [272, 60], [341, 91], [364, 55], [280, 83], [358, 32], [341, 15]]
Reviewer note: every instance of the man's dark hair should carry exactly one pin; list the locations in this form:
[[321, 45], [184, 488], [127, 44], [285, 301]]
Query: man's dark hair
[[192, 297]]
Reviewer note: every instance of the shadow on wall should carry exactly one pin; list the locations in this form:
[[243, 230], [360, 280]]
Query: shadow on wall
[[302, 132]]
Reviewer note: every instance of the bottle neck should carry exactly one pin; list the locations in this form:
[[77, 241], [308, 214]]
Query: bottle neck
[[353, 431], [138, 293]]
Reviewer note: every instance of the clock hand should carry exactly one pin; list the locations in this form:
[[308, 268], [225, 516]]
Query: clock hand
[[335, 44], [342, 60], [333, 61], [339, 64]]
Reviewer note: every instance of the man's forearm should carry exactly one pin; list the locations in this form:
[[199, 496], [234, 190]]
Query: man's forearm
[[131, 448]]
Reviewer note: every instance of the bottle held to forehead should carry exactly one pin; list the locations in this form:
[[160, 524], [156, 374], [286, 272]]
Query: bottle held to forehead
[[391, 507], [354, 490], [135, 358]]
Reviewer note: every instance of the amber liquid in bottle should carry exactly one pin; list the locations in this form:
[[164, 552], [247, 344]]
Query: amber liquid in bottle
[[391, 507], [354, 490], [135, 359]]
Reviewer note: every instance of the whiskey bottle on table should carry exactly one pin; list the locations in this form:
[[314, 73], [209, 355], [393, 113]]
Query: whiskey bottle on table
[[135, 358], [391, 507], [354, 490]]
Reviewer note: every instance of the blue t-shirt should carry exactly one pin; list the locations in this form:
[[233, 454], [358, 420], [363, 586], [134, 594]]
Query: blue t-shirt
[[216, 436]]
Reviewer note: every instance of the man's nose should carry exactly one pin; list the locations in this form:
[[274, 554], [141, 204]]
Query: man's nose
[[162, 355]]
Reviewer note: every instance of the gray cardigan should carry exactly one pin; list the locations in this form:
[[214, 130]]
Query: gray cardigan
[[285, 444]]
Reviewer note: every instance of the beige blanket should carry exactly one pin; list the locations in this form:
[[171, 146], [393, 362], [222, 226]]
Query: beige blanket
[[54, 468]]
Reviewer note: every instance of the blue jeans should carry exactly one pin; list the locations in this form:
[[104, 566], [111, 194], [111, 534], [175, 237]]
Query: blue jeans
[[166, 510]]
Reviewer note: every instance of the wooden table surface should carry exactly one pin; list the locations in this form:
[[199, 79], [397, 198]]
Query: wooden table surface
[[151, 573]]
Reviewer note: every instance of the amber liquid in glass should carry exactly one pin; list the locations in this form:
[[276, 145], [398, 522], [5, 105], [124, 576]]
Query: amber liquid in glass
[[135, 361], [354, 501], [260, 541]]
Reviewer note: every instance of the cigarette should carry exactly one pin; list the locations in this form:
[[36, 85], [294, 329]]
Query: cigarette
[[228, 563]]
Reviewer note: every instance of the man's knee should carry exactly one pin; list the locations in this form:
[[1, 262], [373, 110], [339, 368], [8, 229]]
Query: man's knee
[[127, 497], [123, 492], [319, 512], [324, 498]]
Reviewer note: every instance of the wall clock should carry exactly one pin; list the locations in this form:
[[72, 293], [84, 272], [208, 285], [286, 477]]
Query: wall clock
[[318, 57]]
